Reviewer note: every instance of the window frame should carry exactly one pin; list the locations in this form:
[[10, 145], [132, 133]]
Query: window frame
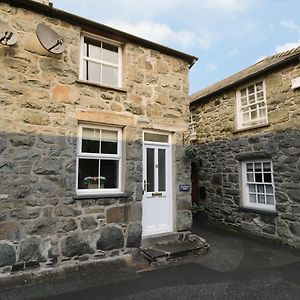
[[239, 114], [99, 39], [245, 187], [98, 157]]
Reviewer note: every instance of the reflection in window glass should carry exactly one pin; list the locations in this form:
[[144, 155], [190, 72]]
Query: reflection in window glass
[[161, 170], [109, 171], [88, 173], [93, 71], [109, 142], [90, 140], [109, 75], [150, 170], [110, 53]]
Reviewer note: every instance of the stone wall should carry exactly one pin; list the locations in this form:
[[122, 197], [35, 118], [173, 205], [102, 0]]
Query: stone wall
[[41, 104], [222, 148]]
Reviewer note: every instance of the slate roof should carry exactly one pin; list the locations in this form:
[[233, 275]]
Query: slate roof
[[257, 69]]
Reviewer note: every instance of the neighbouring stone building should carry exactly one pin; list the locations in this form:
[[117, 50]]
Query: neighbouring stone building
[[248, 137], [91, 140]]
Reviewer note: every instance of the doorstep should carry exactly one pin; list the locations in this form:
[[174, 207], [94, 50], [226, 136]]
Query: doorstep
[[174, 245]]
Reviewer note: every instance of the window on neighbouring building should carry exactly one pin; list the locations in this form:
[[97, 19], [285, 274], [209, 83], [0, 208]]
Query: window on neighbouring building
[[98, 159], [101, 62], [258, 185], [251, 106]]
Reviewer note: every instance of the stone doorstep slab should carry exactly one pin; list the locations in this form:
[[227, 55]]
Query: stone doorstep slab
[[193, 244]]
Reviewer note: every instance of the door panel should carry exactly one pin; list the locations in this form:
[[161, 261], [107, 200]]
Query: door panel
[[157, 200]]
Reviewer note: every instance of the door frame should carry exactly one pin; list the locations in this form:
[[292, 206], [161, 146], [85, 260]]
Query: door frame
[[169, 174]]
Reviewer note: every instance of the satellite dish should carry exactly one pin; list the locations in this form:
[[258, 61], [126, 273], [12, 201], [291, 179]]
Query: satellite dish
[[8, 35], [49, 39]]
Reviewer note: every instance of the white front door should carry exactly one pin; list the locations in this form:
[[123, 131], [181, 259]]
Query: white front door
[[157, 199]]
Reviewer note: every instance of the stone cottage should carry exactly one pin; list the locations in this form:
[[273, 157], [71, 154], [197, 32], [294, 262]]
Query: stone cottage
[[91, 140], [247, 130]]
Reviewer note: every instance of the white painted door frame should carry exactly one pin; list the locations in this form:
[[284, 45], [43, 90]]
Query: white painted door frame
[[157, 198]]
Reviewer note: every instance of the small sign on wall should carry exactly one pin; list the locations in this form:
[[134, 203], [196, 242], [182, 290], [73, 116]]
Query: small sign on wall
[[184, 187]]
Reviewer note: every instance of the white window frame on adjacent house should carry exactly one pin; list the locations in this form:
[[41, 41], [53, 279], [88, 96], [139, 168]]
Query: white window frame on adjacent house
[[98, 157], [251, 105], [258, 185], [84, 59]]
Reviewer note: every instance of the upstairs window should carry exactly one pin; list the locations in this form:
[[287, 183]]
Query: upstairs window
[[101, 62], [99, 160], [251, 106], [258, 185]]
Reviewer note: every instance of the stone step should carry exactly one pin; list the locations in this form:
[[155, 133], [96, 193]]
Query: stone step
[[173, 246]]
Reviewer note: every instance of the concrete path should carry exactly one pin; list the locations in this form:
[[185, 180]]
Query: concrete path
[[236, 267]]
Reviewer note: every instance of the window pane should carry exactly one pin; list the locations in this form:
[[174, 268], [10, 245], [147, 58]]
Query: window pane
[[90, 140], [249, 167], [244, 101], [110, 53], [262, 112], [250, 177], [246, 117], [161, 169], [109, 75], [257, 167], [154, 137], [267, 177], [109, 171], [252, 198], [109, 142], [267, 167], [251, 89], [261, 199], [150, 170], [269, 189], [94, 52], [243, 92], [260, 188], [258, 177], [253, 114], [259, 86], [270, 199], [93, 71], [252, 188], [88, 172]]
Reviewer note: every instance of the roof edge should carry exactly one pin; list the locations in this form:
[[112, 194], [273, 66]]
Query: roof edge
[[250, 76], [50, 11]]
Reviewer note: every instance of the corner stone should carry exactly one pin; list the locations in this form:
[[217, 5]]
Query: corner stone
[[184, 220], [134, 237]]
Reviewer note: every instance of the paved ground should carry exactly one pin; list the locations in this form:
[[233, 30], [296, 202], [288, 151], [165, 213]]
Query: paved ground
[[237, 267]]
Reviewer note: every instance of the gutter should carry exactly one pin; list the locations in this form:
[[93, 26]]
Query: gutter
[[84, 23]]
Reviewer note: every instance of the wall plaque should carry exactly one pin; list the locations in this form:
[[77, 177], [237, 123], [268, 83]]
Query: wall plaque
[[184, 187]]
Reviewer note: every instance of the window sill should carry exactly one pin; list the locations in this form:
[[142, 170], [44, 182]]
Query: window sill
[[109, 87], [258, 211], [99, 196], [251, 127]]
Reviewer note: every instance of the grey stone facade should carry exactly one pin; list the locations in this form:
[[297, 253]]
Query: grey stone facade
[[219, 174], [42, 100]]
